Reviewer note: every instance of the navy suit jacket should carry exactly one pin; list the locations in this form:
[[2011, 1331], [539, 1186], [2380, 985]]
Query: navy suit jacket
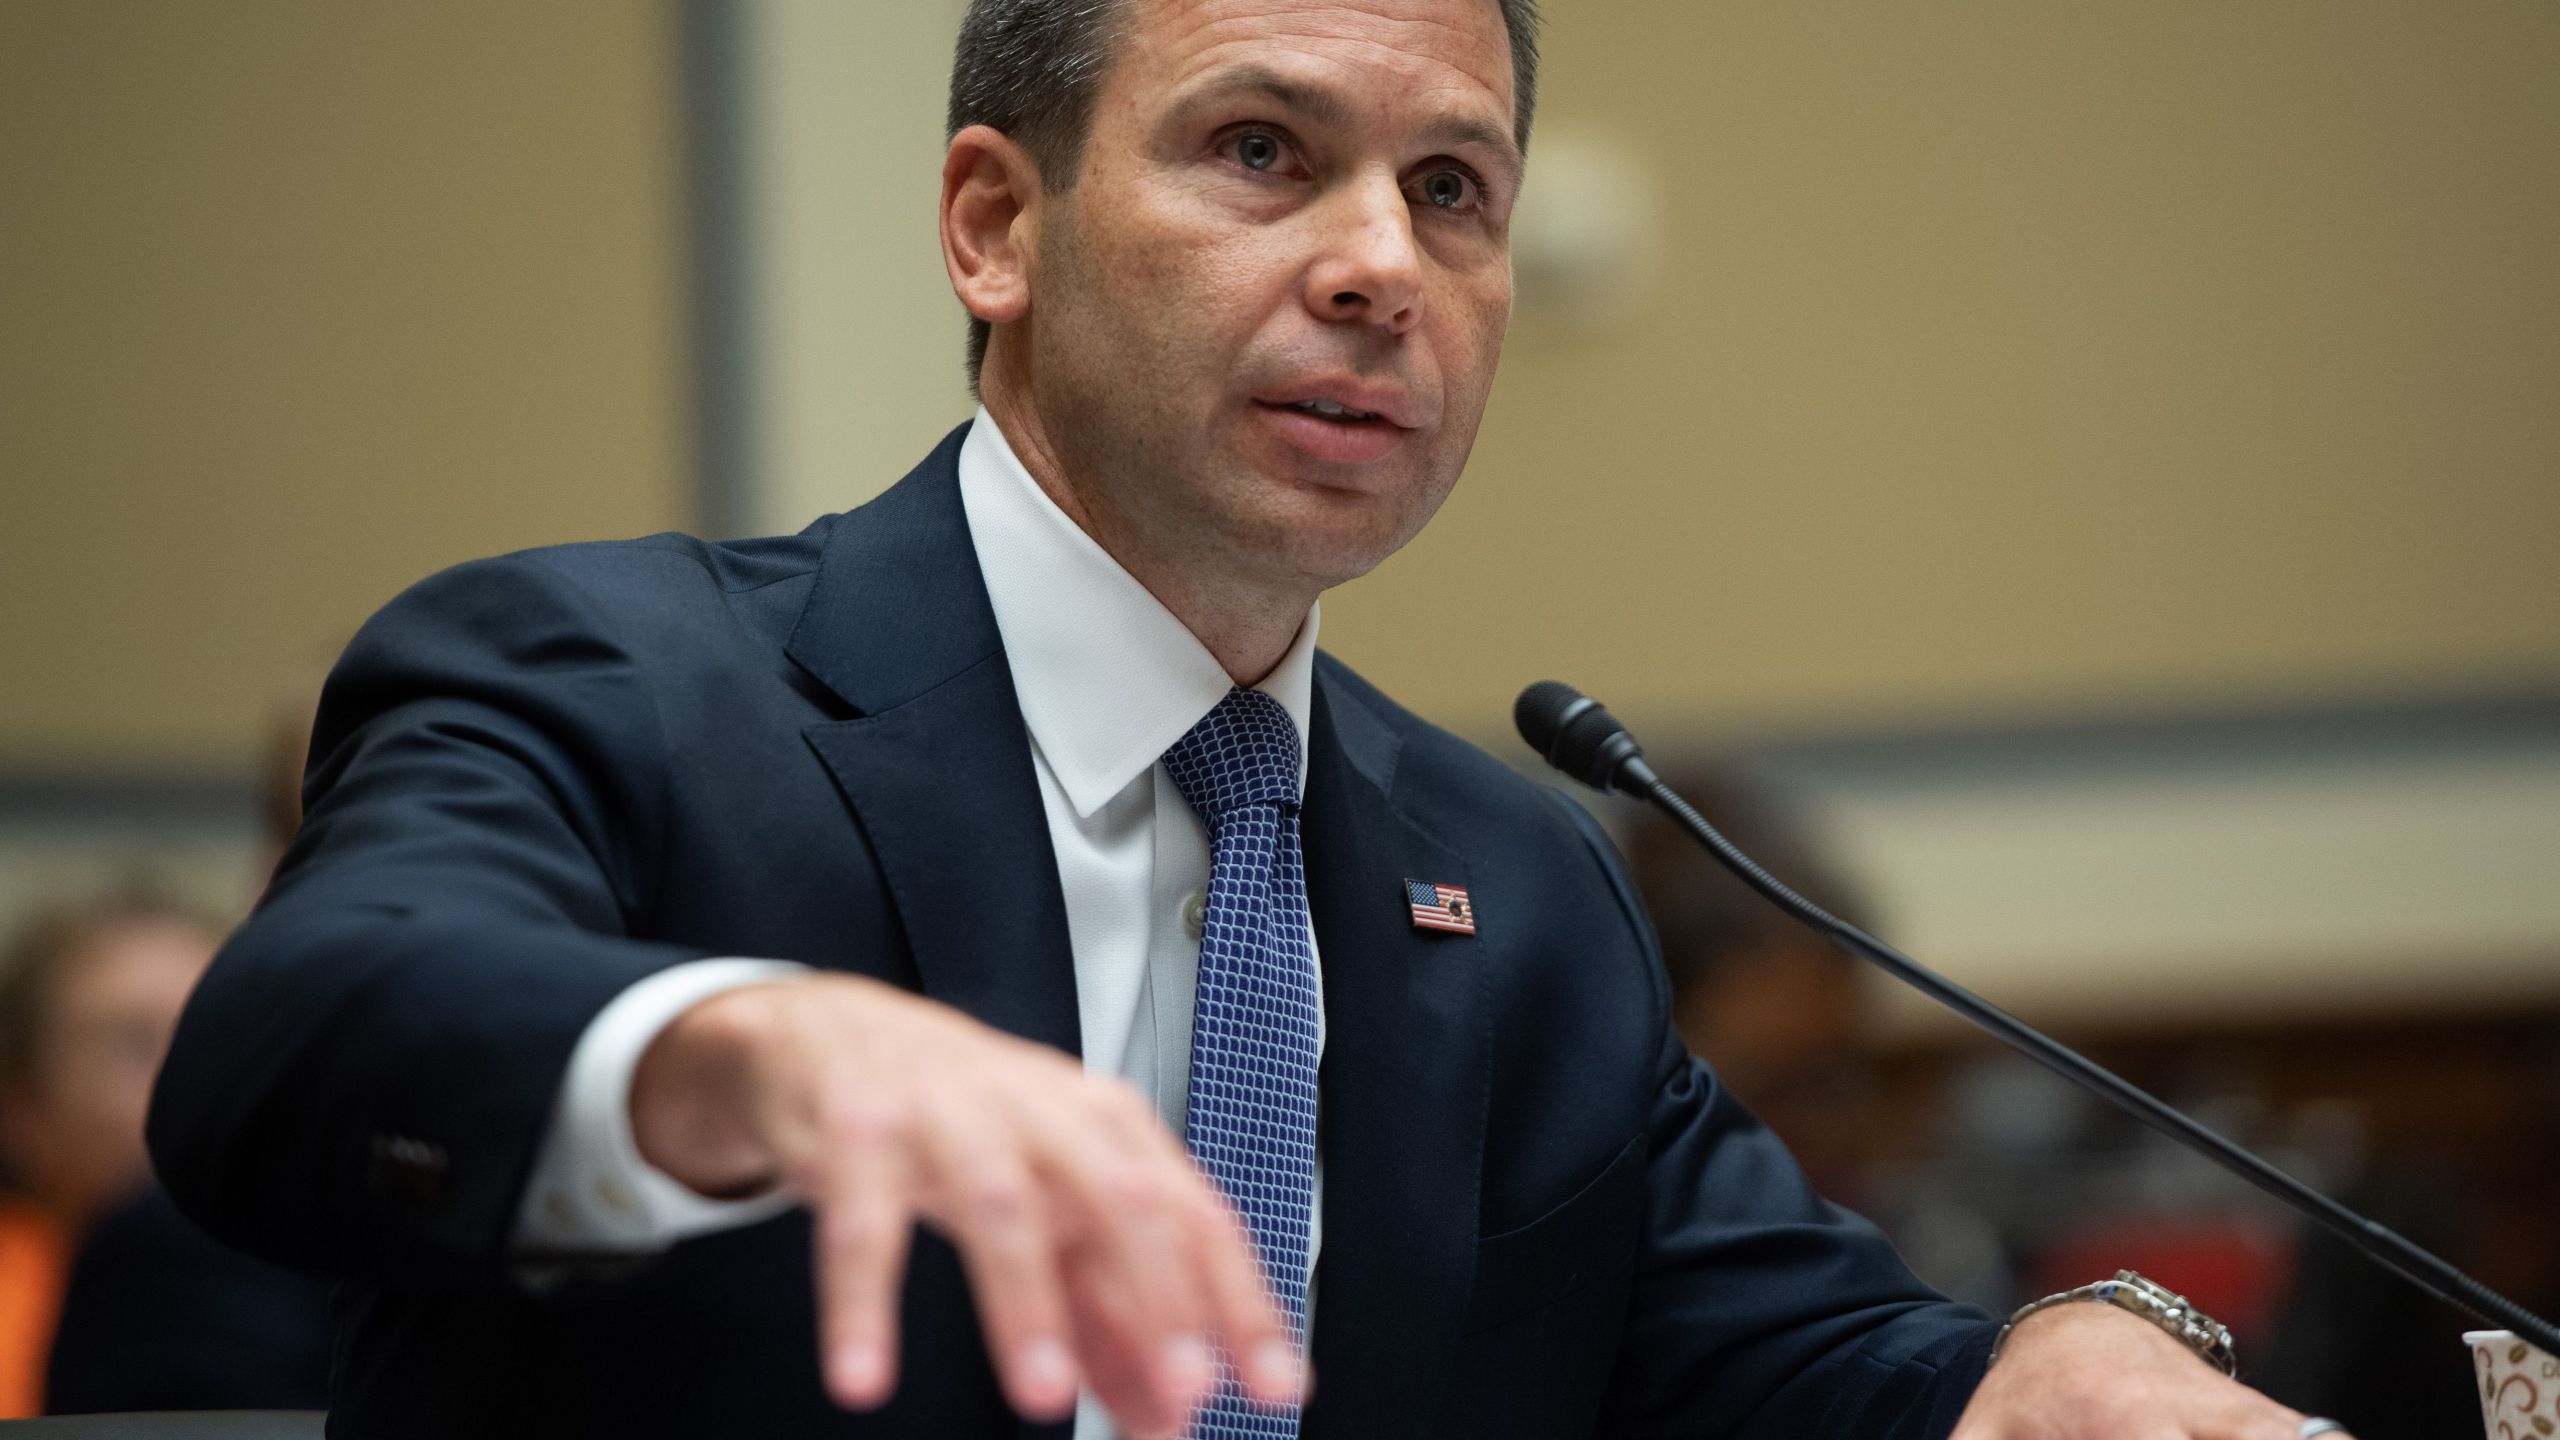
[[541, 777]]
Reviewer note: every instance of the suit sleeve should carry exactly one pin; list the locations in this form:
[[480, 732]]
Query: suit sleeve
[[1760, 1310], [361, 1080]]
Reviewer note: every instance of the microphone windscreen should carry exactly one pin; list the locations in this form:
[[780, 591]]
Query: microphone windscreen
[[1540, 714], [1574, 733]]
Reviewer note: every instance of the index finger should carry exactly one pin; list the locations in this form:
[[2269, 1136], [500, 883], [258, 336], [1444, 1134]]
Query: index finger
[[1249, 1316], [1226, 1264], [864, 1226]]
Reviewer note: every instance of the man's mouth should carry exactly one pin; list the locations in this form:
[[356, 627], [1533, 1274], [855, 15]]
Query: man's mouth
[[1328, 410], [1340, 419]]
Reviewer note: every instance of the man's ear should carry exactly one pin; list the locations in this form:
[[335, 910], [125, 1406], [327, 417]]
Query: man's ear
[[990, 224]]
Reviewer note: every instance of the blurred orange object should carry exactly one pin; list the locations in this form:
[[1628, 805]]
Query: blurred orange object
[[34, 1257]]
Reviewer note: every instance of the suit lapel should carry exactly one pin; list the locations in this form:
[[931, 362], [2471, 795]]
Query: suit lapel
[[948, 801], [937, 768], [1402, 1089]]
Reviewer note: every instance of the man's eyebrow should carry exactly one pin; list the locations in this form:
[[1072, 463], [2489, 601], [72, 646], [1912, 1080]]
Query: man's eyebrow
[[1328, 107], [1313, 101]]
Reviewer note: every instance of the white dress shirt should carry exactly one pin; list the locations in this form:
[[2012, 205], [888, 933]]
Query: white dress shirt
[[1108, 680]]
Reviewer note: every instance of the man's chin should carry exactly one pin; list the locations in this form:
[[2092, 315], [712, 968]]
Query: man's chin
[[1323, 536]]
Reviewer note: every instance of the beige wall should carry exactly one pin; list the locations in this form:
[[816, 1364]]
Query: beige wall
[[852, 338], [2024, 358], [1985, 361], [300, 300], [2004, 358], [2190, 889]]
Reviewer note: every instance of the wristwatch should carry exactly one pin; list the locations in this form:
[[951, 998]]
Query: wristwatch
[[2158, 1304]]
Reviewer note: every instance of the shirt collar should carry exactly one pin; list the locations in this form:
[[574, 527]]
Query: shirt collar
[[1108, 678]]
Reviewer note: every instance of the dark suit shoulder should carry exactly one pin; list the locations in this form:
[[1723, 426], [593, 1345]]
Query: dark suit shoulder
[[672, 569], [671, 612], [726, 566], [656, 578]]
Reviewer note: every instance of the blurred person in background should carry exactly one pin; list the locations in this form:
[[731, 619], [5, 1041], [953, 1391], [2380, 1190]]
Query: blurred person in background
[[1946, 1164], [158, 1315], [89, 994], [1773, 1006]]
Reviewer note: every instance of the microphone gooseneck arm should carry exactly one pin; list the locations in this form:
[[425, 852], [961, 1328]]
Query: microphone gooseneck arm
[[1577, 736]]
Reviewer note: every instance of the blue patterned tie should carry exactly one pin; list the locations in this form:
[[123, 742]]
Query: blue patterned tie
[[1252, 1123]]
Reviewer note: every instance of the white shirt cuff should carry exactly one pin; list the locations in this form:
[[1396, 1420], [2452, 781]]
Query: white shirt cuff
[[591, 1191]]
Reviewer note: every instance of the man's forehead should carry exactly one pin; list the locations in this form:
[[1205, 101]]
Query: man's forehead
[[1455, 51]]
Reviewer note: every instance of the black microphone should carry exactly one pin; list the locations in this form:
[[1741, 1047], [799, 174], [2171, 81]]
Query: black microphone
[[1574, 734]]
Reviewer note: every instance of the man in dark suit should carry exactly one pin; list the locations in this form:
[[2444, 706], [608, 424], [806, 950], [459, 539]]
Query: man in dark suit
[[675, 925]]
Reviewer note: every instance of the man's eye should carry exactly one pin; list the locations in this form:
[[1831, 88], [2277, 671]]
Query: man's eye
[[1257, 151], [1447, 189]]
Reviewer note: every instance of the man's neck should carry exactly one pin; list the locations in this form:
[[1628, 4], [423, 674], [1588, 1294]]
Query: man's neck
[[1245, 628]]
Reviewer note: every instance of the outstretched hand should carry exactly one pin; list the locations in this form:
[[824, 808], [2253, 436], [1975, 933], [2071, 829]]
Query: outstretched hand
[[2093, 1372], [1097, 1252]]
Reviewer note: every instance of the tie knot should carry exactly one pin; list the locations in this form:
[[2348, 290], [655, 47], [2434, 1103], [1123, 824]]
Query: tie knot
[[1244, 752]]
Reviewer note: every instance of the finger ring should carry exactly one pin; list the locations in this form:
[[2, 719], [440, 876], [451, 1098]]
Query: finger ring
[[2319, 1425]]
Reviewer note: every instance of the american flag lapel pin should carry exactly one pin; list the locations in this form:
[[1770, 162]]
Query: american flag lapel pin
[[1441, 907]]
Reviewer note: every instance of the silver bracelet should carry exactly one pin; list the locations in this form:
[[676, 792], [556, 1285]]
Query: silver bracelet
[[2161, 1306]]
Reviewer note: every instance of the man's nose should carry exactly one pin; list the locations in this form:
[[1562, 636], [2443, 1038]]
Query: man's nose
[[1370, 268]]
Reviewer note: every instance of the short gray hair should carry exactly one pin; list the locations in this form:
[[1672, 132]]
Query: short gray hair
[[1031, 68]]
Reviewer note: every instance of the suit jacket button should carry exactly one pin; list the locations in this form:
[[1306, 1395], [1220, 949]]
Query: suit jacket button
[[408, 1172]]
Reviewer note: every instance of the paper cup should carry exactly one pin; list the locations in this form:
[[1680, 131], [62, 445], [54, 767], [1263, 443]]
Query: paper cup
[[2519, 1386]]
